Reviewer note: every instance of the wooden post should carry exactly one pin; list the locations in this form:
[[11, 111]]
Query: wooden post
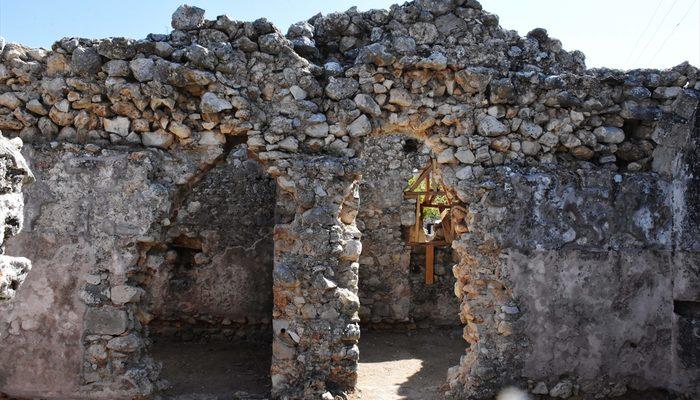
[[429, 264], [428, 195], [417, 225]]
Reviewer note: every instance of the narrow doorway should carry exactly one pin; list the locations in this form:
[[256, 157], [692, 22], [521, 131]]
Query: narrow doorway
[[411, 333], [211, 291]]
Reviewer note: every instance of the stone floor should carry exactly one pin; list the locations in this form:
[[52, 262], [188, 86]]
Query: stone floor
[[215, 370], [411, 366]]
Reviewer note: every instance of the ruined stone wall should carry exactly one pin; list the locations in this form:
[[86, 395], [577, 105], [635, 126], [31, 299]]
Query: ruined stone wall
[[593, 272], [87, 218], [91, 217], [607, 275], [483, 99], [317, 246]]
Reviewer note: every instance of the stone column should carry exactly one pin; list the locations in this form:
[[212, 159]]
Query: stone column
[[492, 359], [317, 245], [492, 354]]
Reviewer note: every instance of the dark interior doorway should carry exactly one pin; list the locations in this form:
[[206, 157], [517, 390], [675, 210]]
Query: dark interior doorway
[[211, 293]]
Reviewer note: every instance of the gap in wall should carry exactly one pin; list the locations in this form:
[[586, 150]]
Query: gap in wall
[[411, 332], [212, 294]]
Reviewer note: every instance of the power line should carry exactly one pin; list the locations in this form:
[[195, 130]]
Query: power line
[[644, 31], [674, 30], [651, 39]]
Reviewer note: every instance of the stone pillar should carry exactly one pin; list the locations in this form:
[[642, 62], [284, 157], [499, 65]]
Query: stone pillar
[[317, 245], [491, 357], [493, 336]]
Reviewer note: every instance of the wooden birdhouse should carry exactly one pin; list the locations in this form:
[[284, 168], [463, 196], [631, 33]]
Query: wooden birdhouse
[[433, 223]]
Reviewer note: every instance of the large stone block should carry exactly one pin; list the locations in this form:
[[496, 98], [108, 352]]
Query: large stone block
[[106, 321]]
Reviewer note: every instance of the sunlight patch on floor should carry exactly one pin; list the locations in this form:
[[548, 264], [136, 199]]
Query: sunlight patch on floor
[[397, 366]]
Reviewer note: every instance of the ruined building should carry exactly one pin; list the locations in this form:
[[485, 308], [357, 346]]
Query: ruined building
[[227, 181]]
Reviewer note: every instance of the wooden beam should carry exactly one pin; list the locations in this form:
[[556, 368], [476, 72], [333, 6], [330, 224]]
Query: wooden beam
[[413, 187], [429, 264], [418, 194], [418, 225], [436, 243], [428, 193], [437, 206]]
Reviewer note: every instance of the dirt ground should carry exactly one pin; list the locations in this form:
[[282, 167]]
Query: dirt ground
[[397, 366], [215, 371], [392, 366]]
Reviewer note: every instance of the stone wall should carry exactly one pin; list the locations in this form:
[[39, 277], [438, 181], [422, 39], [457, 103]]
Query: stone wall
[[317, 245], [87, 216], [132, 125], [590, 273], [434, 306], [91, 217]]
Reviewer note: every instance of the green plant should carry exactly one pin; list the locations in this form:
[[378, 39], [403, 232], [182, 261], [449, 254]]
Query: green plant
[[432, 212]]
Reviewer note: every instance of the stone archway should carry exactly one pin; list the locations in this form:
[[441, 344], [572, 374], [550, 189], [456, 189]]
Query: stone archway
[[411, 332]]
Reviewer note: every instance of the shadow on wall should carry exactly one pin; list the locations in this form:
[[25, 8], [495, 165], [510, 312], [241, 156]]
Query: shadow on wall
[[216, 278]]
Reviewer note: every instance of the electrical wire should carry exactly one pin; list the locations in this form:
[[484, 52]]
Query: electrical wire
[[651, 39], [644, 31], [674, 30]]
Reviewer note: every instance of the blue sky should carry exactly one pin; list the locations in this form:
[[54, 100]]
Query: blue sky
[[614, 33]]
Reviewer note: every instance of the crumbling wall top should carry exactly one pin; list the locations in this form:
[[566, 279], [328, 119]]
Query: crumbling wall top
[[442, 70]]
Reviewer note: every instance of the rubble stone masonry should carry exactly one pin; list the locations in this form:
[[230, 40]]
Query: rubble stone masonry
[[578, 254]]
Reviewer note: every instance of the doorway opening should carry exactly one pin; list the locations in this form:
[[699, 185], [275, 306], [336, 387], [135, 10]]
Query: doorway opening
[[411, 332], [211, 290]]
